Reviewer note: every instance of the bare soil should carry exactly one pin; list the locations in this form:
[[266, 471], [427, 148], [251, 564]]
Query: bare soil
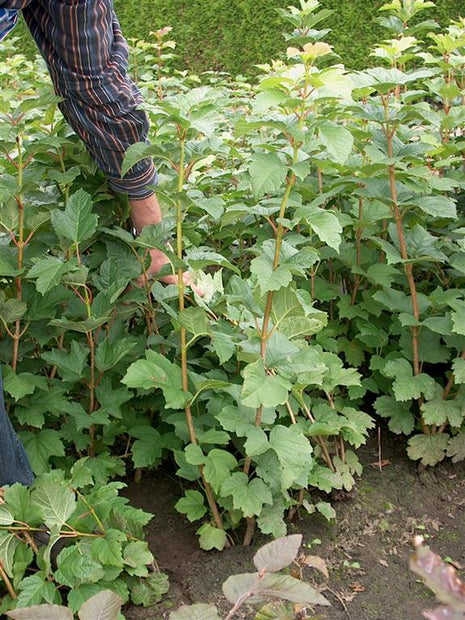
[[366, 549]]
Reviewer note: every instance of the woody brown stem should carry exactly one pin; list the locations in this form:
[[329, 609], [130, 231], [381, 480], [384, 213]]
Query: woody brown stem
[[408, 267], [7, 583]]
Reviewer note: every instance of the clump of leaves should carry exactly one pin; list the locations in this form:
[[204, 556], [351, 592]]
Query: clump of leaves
[[442, 579], [104, 547], [265, 584], [105, 605]]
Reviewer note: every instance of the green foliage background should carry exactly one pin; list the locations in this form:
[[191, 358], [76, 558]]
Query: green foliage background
[[234, 36]]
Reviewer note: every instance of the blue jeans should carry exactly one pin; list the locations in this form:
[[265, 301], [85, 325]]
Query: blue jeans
[[14, 465]]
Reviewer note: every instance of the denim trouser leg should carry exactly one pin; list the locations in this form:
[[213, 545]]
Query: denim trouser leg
[[14, 466]]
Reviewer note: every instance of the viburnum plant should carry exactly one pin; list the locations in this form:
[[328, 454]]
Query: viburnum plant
[[319, 210], [67, 536]]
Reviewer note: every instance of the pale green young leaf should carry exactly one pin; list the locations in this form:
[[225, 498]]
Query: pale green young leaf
[[290, 589], [381, 274], [213, 205], [237, 586], [104, 466], [336, 374], [213, 435], [274, 585], [355, 425], [307, 365], [18, 500], [81, 475], [110, 398], [199, 259], [83, 327], [324, 479], [293, 317], [237, 419], [78, 596]]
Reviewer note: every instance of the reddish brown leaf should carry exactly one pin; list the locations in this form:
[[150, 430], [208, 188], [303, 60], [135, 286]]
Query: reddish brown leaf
[[439, 577]]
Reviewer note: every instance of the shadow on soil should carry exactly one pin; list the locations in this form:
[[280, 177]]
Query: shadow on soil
[[367, 549]]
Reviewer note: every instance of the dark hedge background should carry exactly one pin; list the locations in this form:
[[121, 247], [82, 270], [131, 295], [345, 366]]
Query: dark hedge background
[[234, 35]]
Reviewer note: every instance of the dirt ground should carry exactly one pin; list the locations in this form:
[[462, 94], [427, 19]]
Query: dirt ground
[[366, 549]]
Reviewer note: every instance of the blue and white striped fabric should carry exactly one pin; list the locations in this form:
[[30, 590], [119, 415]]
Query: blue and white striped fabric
[[87, 56], [8, 19]]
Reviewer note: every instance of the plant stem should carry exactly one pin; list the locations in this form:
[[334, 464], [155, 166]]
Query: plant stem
[[179, 248], [249, 532], [185, 379], [279, 235], [20, 245], [358, 244], [7, 583], [408, 267], [264, 334], [91, 509], [450, 383]]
